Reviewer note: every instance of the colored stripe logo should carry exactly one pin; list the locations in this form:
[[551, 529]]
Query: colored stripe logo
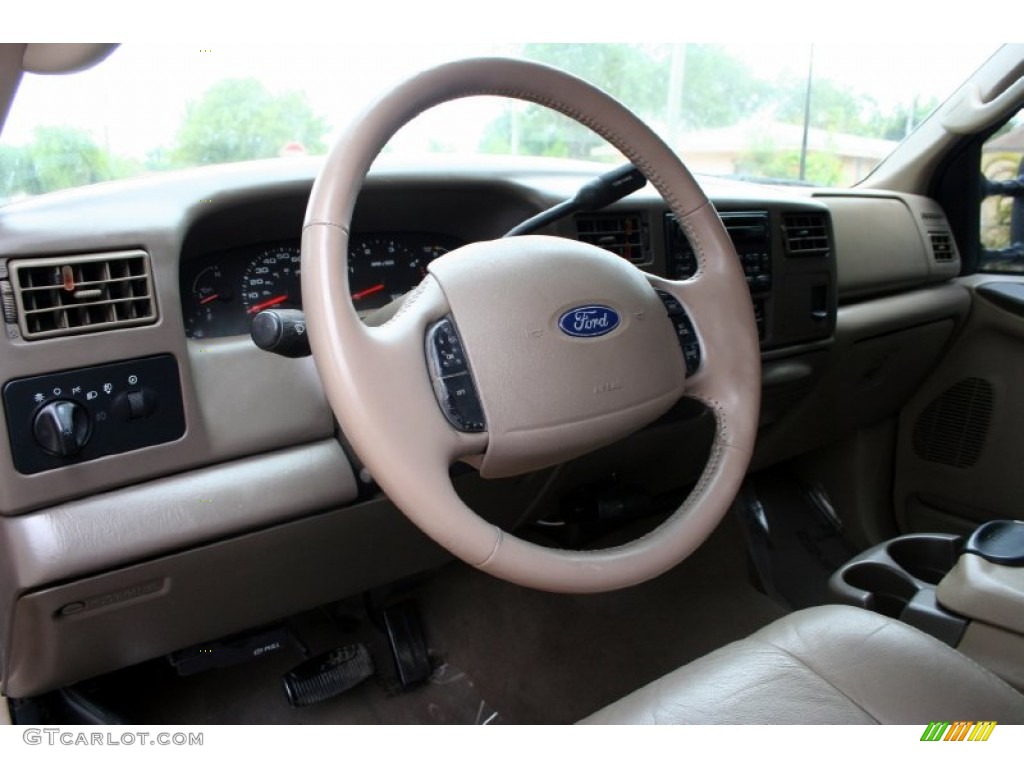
[[961, 730]]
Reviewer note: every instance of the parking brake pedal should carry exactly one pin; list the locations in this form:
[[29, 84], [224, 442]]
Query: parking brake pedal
[[328, 675], [229, 651]]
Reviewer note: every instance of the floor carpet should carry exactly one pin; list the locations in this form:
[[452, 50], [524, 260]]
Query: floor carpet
[[501, 653]]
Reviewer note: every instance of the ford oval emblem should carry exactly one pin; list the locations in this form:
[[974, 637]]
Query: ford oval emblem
[[589, 321]]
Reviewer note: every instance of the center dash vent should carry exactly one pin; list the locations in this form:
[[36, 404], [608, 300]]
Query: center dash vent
[[805, 235], [942, 247], [67, 295], [624, 234]]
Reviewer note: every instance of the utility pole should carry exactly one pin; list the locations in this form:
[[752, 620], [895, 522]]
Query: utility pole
[[807, 115], [676, 75]]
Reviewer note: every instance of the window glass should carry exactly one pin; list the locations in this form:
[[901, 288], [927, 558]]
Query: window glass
[[1002, 205], [822, 114]]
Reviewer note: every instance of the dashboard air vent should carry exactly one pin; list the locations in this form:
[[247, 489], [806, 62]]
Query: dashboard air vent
[[942, 247], [624, 234], [805, 234], [67, 295]]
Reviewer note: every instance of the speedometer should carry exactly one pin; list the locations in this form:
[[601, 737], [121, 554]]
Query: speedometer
[[271, 280]]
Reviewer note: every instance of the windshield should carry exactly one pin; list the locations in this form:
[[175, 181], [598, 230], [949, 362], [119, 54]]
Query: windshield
[[804, 114]]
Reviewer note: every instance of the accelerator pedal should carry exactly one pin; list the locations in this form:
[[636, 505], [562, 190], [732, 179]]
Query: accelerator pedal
[[408, 644]]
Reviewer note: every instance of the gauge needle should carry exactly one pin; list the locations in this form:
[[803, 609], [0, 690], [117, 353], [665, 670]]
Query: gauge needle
[[368, 292], [208, 299], [268, 303]]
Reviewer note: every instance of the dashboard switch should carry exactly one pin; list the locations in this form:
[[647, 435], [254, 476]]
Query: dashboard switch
[[62, 427], [134, 404]]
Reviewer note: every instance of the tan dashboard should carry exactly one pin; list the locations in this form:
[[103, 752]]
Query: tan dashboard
[[853, 306]]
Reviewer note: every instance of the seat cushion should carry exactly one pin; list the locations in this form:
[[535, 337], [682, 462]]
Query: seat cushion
[[831, 664]]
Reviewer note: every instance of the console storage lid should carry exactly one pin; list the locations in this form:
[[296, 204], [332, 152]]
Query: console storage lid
[[985, 591]]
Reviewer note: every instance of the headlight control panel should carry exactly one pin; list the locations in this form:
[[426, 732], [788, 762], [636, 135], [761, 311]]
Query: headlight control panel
[[68, 417]]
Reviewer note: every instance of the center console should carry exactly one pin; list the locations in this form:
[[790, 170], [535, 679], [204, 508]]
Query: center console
[[969, 592]]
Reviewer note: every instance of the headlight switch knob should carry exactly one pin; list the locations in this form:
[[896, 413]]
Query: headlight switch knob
[[62, 427]]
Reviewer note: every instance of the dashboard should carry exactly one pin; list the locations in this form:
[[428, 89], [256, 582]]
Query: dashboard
[[221, 292], [216, 486]]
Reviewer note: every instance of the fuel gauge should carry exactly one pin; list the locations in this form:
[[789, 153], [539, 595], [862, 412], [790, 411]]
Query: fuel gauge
[[209, 303]]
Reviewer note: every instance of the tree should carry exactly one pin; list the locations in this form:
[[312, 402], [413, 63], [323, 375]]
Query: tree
[[716, 90], [59, 157], [898, 124], [834, 107], [629, 72], [241, 120], [764, 161], [17, 176]]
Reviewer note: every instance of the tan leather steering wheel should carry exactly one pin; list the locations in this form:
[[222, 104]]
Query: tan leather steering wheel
[[566, 346]]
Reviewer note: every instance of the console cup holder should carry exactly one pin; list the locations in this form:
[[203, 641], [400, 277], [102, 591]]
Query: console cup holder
[[926, 558], [897, 578], [888, 591]]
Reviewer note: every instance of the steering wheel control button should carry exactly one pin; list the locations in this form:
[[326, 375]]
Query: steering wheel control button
[[62, 427], [459, 402], [685, 332], [672, 305], [589, 321], [445, 353], [68, 417], [452, 382]]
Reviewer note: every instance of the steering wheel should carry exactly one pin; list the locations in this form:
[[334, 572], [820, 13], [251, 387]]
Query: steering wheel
[[525, 352]]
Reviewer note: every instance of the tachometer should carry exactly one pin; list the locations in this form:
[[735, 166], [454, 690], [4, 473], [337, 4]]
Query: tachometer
[[381, 269], [271, 280]]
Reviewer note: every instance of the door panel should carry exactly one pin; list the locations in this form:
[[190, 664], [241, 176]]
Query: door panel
[[960, 454]]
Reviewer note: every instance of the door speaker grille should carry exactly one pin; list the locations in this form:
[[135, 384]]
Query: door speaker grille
[[953, 428]]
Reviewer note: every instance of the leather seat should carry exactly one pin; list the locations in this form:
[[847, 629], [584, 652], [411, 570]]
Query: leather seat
[[832, 664]]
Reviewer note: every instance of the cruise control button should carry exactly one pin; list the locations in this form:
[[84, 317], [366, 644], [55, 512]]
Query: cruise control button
[[691, 356], [672, 305], [459, 402], [446, 356], [683, 329]]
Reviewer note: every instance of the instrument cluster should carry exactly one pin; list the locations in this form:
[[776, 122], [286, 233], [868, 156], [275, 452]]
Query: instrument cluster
[[222, 292]]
